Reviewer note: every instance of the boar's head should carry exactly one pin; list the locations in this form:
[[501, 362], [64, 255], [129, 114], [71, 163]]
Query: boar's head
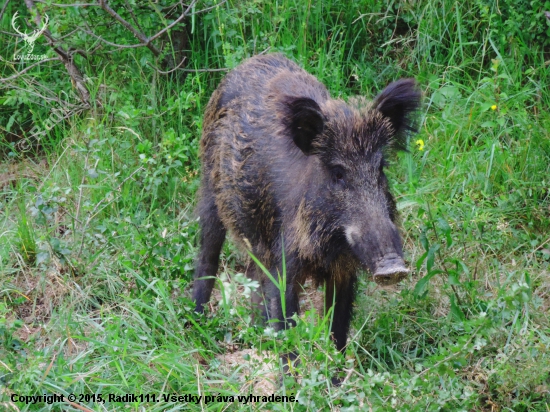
[[349, 205]]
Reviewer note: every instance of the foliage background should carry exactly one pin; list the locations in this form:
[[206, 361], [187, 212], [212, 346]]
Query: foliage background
[[98, 235]]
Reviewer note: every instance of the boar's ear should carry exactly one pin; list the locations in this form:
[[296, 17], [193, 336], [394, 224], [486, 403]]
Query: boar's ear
[[304, 121], [398, 102]]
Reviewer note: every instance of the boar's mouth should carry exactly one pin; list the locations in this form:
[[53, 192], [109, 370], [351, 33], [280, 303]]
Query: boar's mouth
[[390, 271]]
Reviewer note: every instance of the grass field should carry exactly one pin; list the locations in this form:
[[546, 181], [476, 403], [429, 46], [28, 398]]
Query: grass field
[[98, 236]]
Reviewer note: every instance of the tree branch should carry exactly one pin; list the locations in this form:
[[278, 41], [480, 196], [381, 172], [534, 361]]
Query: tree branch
[[169, 71], [179, 19], [120, 46], [134, 18], [209, 8], [144, 40], [75, 74], [138, 35]]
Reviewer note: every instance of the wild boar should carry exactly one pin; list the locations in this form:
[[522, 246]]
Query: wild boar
[[288, 170]]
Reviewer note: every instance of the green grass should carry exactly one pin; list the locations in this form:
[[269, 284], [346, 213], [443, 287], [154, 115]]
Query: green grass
[[98, 236]]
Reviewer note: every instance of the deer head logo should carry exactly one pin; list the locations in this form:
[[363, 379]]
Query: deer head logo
[[29, 38]]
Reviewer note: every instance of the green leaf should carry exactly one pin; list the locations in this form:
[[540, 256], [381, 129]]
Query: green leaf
[[454, 278], [421, 285], [489, 124], [424, 240], [456, 312], [431, 257], [420, 261], [446, 229], [42, 257]]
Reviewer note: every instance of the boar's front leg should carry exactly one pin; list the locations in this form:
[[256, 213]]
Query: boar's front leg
[[274, 304], [341, 293], [212, 236], [257, 297], [269, 295]]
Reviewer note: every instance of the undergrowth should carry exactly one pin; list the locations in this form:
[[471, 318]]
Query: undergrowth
[[98, 235]]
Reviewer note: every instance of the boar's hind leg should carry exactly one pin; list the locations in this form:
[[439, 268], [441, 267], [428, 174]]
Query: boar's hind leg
[[343, 295], [211, 242]]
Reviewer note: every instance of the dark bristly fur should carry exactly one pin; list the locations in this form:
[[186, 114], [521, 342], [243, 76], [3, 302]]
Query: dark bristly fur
[[285, 164]]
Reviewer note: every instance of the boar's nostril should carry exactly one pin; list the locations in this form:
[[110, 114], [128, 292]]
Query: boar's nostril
[[390, 272], [390, 279]]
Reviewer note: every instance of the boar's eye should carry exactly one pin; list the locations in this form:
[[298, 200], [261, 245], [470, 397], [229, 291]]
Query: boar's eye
[[338, 175]]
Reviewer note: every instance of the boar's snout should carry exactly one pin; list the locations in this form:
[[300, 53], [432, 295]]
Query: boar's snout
[[390, 270], [380, 251]]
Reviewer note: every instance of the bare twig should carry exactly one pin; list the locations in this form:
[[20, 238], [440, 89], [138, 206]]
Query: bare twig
[[145, 41], [7, 33], [78, 51], [179, 19], [15, 76], [119, 46], [68, 5], [67, 35], [41, 97], [169, 9], [221, 69], [169, 71], [134, 18], [541, 245], [209, 8], [265, 51]]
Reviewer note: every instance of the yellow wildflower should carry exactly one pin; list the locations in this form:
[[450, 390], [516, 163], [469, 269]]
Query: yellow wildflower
[[420, 144], [493, 107]]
